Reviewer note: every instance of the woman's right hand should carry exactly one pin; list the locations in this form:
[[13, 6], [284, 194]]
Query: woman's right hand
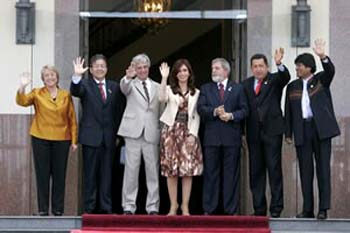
[[164, 70], [78, 64], [26, 79]]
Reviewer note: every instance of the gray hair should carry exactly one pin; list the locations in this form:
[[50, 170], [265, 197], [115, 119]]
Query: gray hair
[[141, 58], [224, 63]]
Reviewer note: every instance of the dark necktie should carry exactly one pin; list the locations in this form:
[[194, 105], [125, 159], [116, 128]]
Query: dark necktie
[[221, 92], [146, 90], [102, 92], [258, 87]]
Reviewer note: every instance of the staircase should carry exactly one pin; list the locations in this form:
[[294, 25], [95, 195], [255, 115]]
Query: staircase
[[29, 224]]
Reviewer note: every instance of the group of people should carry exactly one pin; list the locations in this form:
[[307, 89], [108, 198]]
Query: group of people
[[160, 123]]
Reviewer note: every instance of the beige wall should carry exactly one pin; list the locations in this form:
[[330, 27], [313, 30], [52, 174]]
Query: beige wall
[[281, 28], [20, 58]]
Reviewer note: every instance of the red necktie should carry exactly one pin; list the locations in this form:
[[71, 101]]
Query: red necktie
[[103, 95], [222, 92], [258, 87]]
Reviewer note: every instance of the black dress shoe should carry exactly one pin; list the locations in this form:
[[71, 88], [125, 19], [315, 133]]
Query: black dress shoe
[[127, 212], [305, 214], [43, 213], [57, 213], [322, 214], [153, 213], [275, 214]]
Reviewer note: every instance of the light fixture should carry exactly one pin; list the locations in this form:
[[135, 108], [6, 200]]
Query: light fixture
[[301, 24], [25, 22], [151, 23]]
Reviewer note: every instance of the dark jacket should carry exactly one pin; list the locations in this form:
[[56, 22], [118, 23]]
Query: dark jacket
[[265, 108], [216, 131], [99, 120], [320, 102]]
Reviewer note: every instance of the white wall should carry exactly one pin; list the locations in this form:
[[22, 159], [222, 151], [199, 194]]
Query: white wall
[[16, 59], [281, 28]]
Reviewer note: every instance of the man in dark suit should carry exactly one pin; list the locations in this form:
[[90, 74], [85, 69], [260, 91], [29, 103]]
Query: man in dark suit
[[102, 106], [264, 131], [310, 118], [222, 106]]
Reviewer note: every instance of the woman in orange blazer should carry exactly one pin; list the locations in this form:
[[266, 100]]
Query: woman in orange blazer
[[180, 151], [53, 132]]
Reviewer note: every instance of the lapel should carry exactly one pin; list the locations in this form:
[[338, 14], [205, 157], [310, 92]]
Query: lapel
[[228, 90], [140, 90], [191, 102], [95, 90], [153, 92], [215, 90], [264, 90], [251, 89], [109, 91]]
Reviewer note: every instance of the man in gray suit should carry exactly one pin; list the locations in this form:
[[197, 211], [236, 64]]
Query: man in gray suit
[[140, 128]]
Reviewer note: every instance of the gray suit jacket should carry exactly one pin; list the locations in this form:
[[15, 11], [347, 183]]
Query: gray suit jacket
[[139, 115]]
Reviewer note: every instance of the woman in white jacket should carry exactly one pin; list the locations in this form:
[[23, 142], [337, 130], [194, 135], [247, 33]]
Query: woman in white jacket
[[180, 151]]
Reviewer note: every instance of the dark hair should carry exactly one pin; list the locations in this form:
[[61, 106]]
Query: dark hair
[[257, 57], [96, 57], [307, 60], [173, 81]]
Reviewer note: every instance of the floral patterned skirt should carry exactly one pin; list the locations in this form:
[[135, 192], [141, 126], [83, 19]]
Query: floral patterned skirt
[[177, 157]]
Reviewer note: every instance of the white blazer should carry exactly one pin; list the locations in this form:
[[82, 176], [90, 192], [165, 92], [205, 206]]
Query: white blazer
[[172, 101]]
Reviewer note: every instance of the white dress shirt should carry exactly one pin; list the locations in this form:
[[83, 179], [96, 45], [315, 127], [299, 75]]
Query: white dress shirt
[[305, 100], [223, 83], [76, 79]]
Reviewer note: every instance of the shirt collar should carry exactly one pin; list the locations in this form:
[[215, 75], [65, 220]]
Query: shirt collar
[[307, 79], [147, 80], [223, 83], [98, 81]]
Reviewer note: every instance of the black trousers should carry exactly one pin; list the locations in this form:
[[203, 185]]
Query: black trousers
[[321, 150], [97, 178], [265, 156], [229, 158], [50, 161]]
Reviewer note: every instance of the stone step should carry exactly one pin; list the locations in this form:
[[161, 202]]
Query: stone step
[[28, 224], [17, 224], [293, 225]]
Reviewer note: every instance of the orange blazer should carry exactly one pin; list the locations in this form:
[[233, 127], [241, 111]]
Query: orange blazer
[[53, 119]]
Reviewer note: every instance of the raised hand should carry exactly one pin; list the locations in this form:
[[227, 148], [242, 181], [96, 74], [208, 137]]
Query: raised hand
[[130, 72], [319, 48], [78, 64], [164, 70], [26, 79], [279, 55]]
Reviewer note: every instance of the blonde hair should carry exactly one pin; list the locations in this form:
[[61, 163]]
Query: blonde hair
[[50, 68]]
